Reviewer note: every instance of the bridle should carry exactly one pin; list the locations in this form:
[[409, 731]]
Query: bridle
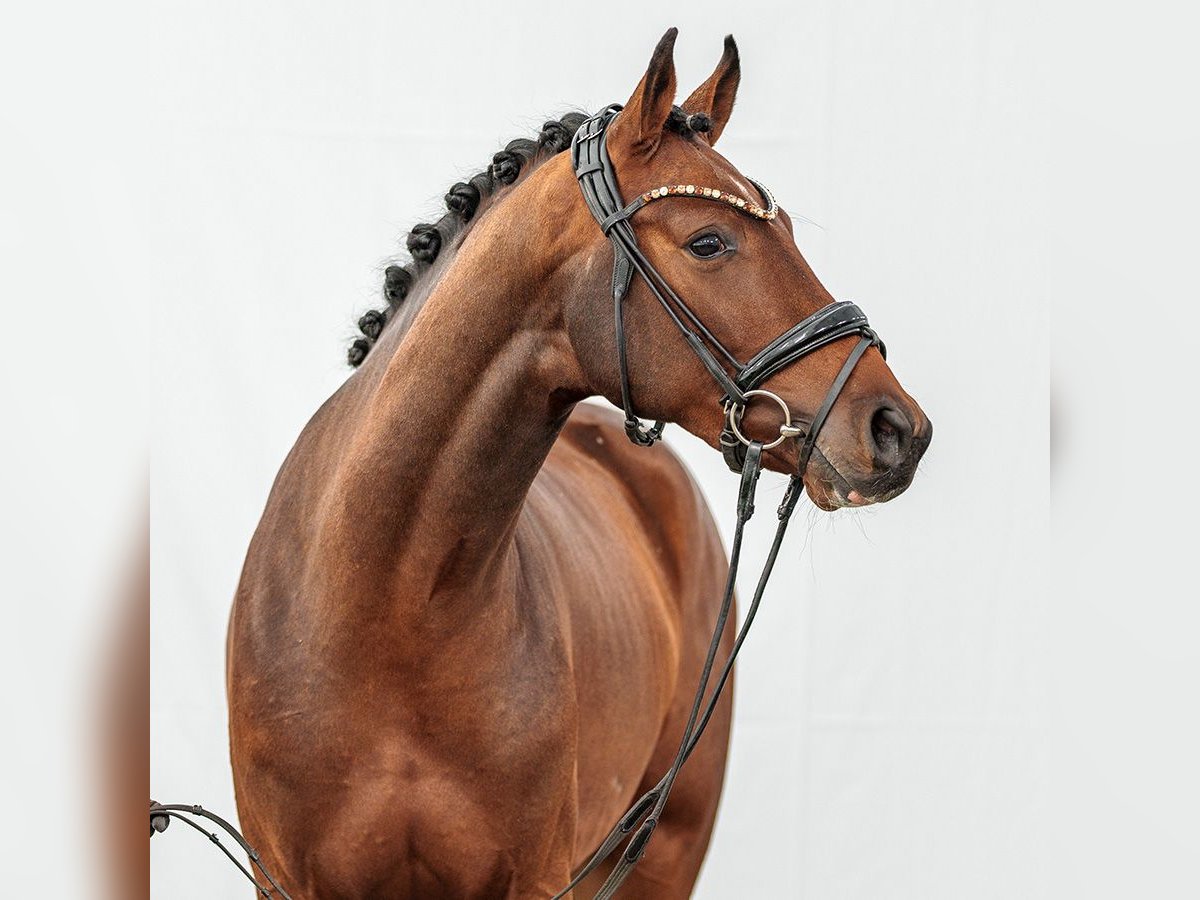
[[741, 382]]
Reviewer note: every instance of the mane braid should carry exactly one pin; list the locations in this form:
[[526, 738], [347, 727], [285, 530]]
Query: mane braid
[[463, 201]]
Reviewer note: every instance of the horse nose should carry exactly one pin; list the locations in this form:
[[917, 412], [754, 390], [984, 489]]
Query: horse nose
[[891, 437]]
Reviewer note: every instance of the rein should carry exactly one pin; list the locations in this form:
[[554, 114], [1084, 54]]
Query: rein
[[598, 181], [647, 811], [741, 385], [161, 815]]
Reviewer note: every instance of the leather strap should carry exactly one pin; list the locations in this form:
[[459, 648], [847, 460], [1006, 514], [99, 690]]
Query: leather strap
[[644, 814], [161, 815], [598, 183], [810, 439], [828, 324]]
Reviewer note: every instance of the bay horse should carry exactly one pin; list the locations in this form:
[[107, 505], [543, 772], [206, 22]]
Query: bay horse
[[473, 615]]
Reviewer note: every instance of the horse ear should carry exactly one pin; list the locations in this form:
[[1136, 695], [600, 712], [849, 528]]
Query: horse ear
[[715, 97], [640, 124]]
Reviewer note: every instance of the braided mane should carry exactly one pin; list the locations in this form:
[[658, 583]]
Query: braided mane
[[464, 200]]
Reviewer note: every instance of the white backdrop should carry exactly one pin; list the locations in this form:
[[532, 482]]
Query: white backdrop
[[896, 703]]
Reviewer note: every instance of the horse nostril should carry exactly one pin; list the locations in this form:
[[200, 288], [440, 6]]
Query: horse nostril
[[891, 433]]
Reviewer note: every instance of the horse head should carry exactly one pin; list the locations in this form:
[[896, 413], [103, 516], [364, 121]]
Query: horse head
[[734, 266]]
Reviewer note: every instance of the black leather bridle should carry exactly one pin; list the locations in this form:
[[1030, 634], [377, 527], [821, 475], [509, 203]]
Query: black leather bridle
[[740, 383]]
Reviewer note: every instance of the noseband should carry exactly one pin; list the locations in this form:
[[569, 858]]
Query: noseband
[[740, 382]]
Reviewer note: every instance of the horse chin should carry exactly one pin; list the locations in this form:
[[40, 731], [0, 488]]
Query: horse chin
[[828, 489]]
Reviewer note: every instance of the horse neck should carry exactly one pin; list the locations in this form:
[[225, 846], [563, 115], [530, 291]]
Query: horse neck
[[458, 423]]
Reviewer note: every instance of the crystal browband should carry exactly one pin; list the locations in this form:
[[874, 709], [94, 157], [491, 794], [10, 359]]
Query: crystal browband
[[706, 193]]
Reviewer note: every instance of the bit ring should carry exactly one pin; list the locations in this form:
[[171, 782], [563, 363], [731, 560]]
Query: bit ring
[[735, 410]]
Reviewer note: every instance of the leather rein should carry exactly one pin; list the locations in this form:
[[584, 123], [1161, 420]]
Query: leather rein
[[741, 384]]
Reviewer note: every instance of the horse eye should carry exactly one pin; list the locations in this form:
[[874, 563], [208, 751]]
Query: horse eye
[[707, 246]]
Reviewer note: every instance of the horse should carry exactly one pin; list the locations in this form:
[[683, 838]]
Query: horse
[[472, 617]]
